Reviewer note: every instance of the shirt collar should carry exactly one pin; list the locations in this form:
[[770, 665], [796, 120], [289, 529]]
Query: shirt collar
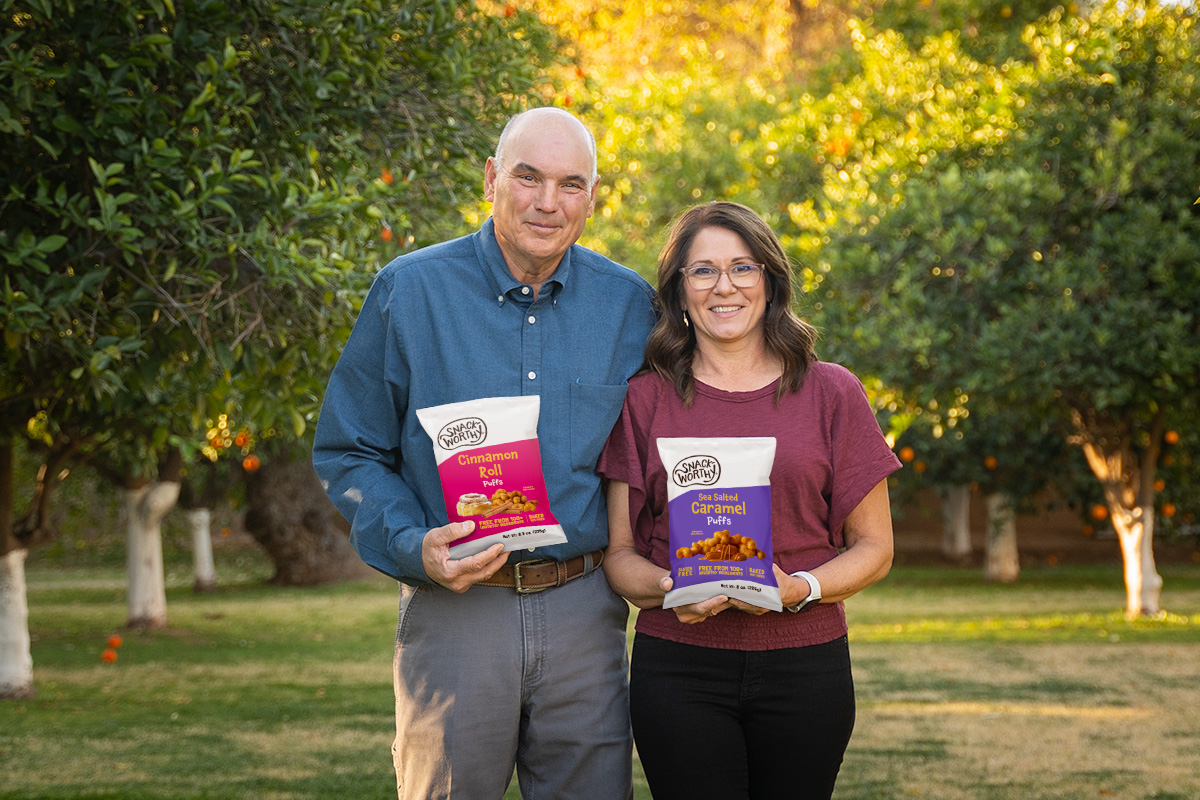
[[503, 284]]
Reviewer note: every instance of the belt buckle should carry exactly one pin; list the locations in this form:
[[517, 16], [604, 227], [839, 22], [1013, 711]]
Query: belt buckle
[[517, 576]]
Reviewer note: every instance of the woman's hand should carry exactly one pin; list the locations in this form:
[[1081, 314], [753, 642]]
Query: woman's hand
[[786, 591], [696, 612], [629, 574]]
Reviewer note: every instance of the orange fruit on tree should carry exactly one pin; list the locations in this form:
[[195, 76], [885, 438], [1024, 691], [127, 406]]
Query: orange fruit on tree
[[250, 463], [919, 466], [1171, 437], [387, 234], [1099, 511], [1168, 509], [990, 462], [907, 454], [1159, 485]]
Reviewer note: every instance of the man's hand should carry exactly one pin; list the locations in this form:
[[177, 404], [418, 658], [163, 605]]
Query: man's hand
[[460, 575]]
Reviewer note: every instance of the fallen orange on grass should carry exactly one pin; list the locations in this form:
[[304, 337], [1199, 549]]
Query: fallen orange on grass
[[108, 656], [115, 641]]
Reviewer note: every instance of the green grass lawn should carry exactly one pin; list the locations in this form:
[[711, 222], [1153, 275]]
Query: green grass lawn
[[966, 690]]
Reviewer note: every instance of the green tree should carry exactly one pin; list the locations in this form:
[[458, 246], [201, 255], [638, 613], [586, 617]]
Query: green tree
[[1108, 327], [195, 193], [1050, 268]]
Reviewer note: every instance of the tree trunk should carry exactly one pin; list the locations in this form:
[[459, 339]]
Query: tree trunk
[[205, 571], [144, 510], [16, 659], [202, 487], [956, 521], [1003, 563], [1127, 474], [301, 531], [1143, 584]]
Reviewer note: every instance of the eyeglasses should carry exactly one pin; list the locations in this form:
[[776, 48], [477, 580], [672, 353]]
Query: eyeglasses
[[743, 276]]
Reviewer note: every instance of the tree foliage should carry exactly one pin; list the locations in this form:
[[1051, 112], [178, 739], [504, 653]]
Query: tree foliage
[[1042, 262], [196, 192]]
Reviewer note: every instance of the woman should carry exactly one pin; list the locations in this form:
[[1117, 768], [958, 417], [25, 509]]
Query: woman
[[729, 700]]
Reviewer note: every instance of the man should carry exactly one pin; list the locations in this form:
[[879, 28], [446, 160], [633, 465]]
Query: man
[[488, 676]]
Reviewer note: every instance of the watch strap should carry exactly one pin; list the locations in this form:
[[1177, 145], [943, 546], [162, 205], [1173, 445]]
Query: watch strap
[[814, 591]]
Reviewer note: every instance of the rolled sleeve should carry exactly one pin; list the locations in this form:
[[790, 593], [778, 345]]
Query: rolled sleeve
[[356, 450]]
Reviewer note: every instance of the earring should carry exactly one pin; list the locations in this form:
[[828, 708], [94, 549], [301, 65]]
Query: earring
[[686, 324]]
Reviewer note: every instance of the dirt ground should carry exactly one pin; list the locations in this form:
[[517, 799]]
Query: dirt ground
[[1047, 538]]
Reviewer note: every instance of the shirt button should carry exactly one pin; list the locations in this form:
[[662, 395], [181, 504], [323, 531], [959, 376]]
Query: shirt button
[[532, 320], [524, 290], [500, 299], [532, 375]]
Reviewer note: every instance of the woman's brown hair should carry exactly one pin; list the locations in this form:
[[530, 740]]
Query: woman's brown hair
[[672, 343]]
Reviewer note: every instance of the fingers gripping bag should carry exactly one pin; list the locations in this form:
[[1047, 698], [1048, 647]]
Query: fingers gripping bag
[[719, 518], [491, 469]]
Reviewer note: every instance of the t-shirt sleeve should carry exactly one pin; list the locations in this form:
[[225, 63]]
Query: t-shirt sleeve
[[861, 455], [624, 458], [614, 458]]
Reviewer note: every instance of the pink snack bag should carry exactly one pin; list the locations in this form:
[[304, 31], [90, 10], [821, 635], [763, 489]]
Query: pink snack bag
[[491, 468]]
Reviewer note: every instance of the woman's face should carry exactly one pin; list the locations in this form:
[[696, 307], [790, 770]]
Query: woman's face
[[724, 314]]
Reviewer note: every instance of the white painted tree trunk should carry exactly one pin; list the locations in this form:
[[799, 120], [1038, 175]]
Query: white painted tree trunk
[[1143, 584], [144, 511], [205, 571], [16, 659], [956, 521], [1002, 559]]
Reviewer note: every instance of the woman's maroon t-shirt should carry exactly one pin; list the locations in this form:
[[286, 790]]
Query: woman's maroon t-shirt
[[829, 454]]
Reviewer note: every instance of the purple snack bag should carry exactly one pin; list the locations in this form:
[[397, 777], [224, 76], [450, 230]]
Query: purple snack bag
[[719, 518]]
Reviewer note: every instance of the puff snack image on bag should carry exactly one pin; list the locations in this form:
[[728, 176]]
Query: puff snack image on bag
[[719, 518], [490, 464]]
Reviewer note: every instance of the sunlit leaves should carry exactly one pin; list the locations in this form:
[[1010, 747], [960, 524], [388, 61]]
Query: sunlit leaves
[[191, 203]]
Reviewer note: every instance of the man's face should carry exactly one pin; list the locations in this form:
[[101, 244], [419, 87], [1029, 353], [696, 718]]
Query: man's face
[[541, 195]]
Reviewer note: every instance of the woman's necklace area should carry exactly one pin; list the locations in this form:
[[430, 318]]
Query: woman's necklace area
[[738, 376]]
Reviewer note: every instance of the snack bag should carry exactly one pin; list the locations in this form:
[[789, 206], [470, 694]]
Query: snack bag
[[719, 517], [491, 468]]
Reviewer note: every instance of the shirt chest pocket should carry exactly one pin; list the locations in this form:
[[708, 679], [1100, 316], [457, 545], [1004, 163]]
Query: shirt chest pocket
[[594, 411]]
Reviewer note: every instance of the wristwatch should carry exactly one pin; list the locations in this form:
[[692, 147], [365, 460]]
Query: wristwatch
[[814, 591]]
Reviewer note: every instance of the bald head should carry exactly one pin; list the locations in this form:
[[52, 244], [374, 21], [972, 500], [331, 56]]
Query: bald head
[[546, 116]]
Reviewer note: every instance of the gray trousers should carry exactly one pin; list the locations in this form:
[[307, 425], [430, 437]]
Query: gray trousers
[[489, 679]]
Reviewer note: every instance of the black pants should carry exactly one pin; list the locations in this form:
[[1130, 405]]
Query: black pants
[[729, 724]]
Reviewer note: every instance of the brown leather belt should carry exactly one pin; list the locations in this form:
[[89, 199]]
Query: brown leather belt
[[528, 577]]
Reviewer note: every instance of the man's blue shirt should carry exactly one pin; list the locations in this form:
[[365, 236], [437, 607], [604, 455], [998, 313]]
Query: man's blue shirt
[[450, 323]]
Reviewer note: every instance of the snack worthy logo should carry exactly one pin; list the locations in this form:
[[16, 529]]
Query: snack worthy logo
[[696, 471], [462, 432]]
